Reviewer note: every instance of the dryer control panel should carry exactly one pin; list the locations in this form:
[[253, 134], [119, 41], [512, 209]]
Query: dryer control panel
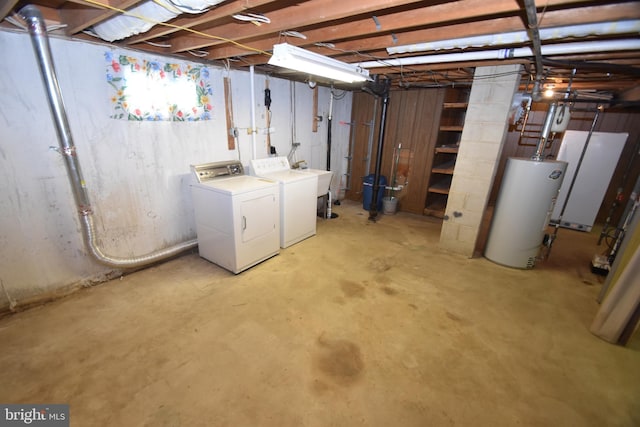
[[208, 171]]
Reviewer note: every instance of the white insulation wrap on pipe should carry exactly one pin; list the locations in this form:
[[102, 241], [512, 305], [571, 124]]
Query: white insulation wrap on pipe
[[40, 41], [525, 202], [518, 37], [520, 52], [144, 16], [138, 19]]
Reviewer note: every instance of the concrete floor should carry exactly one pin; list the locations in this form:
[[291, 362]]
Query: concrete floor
[[365, 324]]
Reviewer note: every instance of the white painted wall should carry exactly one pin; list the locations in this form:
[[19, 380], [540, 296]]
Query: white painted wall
[[313, 145], [137, 173]]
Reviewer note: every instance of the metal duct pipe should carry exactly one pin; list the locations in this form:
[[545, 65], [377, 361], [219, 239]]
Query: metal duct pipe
[[40, 41], [534, 34], [546, 129]]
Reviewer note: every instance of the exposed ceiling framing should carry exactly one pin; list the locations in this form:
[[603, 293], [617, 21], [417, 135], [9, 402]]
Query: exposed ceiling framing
[[357, 31]]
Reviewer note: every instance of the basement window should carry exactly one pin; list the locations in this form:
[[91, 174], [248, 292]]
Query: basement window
[[146, 90]]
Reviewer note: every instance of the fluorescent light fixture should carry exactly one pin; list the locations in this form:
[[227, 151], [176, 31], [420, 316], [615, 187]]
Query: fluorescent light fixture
[[298, 59]]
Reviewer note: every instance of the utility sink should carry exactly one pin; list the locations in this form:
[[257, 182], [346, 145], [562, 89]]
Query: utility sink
[[324, 180]]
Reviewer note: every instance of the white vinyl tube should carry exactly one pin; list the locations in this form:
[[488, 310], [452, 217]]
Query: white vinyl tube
[[521, 52], [254, 154], [554, 33]]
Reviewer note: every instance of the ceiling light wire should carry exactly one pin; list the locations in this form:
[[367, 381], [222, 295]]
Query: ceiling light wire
[[254, 18], [327, 45], [198, 53], [291, 33], [542, 13], [153, 43], [382, 60]]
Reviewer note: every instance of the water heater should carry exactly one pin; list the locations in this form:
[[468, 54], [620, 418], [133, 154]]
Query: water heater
[[525, 202]]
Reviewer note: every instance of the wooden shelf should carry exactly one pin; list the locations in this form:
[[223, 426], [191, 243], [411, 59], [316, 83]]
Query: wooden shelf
[[436, 212], [447, 149], [436, 207], [442, 186], [446, 167], [455, 105], [451, 128]]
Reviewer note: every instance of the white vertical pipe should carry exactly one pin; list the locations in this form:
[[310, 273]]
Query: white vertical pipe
[[293, 117], [254, 147]]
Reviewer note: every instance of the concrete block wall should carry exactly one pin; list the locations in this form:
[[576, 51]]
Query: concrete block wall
[[483, 135]]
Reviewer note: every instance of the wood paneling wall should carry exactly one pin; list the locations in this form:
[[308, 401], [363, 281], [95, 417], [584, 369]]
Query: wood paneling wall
[[412, 120], [365, 129]]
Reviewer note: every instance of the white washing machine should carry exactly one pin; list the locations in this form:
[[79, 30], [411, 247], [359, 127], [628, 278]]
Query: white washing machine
[[298, 200], [237, 216]]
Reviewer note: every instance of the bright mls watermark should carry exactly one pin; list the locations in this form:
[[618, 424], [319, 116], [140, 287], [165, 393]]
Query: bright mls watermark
[[34, 415]]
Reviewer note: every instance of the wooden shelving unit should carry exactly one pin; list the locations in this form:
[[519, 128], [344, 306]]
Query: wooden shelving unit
[[444, 168], [442, 185], [455, 105], [446, 151], [451, 128]]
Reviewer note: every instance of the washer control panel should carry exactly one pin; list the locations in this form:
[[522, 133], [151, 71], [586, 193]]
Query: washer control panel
[[269, 165]]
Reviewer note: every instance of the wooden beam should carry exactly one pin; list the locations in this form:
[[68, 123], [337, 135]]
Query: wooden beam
[[587, 15], [311, 12], [189, 21], [436, 17], [430, 15], [6, 8], [228, 107], [630, 95]]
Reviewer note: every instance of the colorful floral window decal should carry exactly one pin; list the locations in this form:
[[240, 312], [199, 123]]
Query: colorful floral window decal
[[154, 90]]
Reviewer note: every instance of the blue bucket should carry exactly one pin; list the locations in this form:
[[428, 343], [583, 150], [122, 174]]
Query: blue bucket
[[367, 191]]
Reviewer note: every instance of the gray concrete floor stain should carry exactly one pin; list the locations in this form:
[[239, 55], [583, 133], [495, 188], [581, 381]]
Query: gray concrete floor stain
[[364, 324], [339, 359]]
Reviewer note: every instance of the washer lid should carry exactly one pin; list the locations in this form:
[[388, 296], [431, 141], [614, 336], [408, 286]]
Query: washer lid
[[289, 175], [237, 184]]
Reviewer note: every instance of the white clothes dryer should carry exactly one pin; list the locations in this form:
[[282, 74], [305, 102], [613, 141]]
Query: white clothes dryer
[[298, 200], [237, 215]]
